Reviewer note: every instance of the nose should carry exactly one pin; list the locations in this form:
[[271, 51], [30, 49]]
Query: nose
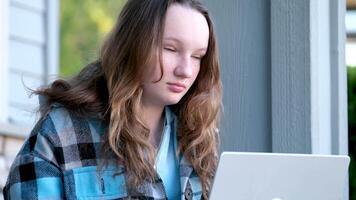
[[184, 67]]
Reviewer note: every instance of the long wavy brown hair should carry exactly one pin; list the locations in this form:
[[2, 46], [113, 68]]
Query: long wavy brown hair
[[110, 89]]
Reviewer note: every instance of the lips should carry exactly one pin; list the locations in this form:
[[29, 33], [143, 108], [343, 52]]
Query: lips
[[176, 87]]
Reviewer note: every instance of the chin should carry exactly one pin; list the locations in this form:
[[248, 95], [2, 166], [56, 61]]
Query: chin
[[172, 100]]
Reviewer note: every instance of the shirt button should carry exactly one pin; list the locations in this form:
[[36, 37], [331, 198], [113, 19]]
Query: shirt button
[[188, 194]]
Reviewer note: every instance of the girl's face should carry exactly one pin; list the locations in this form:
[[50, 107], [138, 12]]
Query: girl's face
[[185, 42]]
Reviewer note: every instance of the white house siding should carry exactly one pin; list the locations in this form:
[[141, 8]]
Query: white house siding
[[27, 48], [32, 57]]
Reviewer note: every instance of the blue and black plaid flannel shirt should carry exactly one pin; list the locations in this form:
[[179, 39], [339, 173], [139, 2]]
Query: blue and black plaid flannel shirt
[[60, 160]]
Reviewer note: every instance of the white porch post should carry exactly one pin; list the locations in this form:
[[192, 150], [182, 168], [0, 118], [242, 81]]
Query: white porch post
[[339, 121]]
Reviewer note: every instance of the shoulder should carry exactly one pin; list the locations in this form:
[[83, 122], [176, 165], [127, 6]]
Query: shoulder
[[66, 123], [65, 138], [66, 128]]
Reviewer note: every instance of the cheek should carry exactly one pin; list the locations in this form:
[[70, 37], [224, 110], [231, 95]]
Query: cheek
[[196, 72], [152, 73], [168, 62], [156, 73]]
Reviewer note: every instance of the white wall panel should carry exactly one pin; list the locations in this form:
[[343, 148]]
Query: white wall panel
[[34, 4], [27, 25], [32, 55], [22, 117], [26, 57], [4, 60], [18, 93]]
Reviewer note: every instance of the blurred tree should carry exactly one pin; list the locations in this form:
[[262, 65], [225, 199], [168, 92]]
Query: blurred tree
[[83, 27], [351, 92]]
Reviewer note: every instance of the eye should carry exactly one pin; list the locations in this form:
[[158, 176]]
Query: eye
[[171, 49], [198, 57]]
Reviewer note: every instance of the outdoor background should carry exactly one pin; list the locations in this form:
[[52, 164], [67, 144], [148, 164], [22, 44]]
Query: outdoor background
[[80, 41], [351, 92], [248, 29]]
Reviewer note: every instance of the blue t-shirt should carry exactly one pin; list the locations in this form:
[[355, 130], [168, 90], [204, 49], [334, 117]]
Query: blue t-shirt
[[167, 165]]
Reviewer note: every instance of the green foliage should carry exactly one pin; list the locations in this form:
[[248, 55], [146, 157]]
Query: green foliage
[[351, 92], [84, 25], [352, 177], [351, 82]]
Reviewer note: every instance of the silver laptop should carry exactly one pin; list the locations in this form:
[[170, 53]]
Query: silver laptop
[[267, 176]]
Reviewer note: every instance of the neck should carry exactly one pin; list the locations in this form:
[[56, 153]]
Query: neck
[[153, 117]]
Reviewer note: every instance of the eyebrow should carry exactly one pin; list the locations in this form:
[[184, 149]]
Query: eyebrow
[[178, 41]]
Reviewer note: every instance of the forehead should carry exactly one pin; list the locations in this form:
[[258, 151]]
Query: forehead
[[187, 26]]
